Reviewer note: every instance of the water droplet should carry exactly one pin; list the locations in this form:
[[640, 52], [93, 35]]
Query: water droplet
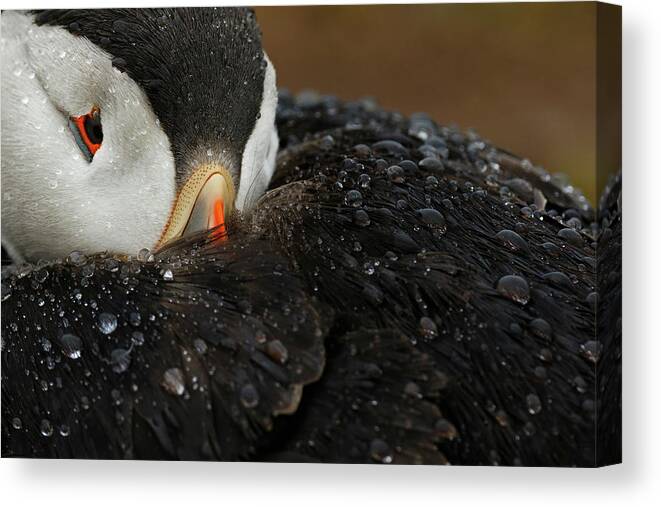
[[511, 240], [135, 319], [427, 328], [551, 249], [120, 359], [372, 294], [71, 345], [200, 346], [116, 397], [354, 198], [571, 236], [431, 164], [364, 180], [137, 338], [327, 142], [591, 350], [390, 147], [539, 199], [65, 430], [395, 174], [546, 355], [277, 351], [361, 151], [107, 323], [144, 255], [591, 299], [432, 218], [588, 405], [391, 256], [557, 278], [249, 396], [522, 188], [25, 100], [515, 288], [534, 404], [580, 384], [541, 328], [540, 372], [167, 275], [88, 270], [76, 258], [111, 265], [380, 451], [173, 381], [16, 423], [45, 344], [446, 429], [412, 389], [575, 223], [41, 275], [431, 182], [361, 218], [501, 418], [46, 428]]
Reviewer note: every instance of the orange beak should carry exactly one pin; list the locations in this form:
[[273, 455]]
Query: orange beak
[[203, 203]]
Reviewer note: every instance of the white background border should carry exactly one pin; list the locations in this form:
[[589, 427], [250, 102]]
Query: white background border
[[637, 482]]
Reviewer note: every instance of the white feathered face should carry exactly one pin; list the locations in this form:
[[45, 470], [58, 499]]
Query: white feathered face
[[54, 196], [85, 163]]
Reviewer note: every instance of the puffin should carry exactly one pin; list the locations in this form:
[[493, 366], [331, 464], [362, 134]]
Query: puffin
[[199, 267]]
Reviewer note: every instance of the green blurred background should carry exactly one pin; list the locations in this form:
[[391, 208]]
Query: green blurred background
[[523, 75]]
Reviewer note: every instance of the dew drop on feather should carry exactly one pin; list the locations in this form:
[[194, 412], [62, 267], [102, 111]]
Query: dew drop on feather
[[249, 396], [534, 404], [71, 345], [515, 288], [380, 451], [173, 381], [107, 322]]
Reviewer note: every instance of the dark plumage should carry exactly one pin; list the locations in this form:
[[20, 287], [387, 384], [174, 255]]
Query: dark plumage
[[609, 326], [376, 276]]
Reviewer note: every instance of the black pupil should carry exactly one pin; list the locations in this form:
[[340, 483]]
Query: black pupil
[[93, 128]]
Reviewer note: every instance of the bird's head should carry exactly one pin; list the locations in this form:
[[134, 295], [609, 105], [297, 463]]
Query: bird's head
[[124, 129]]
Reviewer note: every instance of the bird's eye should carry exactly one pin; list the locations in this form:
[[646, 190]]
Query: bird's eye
[[87, 132]]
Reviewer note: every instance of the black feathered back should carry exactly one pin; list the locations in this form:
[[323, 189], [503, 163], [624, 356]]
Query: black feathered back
[[451, 284]]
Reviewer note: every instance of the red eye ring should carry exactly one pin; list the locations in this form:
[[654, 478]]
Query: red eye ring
[[88, 132]]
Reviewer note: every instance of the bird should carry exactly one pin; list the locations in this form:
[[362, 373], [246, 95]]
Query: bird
[[155, 115], [227, 272]]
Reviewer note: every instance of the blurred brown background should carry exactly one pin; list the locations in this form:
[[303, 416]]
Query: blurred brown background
[[523, 75]]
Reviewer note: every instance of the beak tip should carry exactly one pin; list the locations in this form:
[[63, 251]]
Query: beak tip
[[202, 203]]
